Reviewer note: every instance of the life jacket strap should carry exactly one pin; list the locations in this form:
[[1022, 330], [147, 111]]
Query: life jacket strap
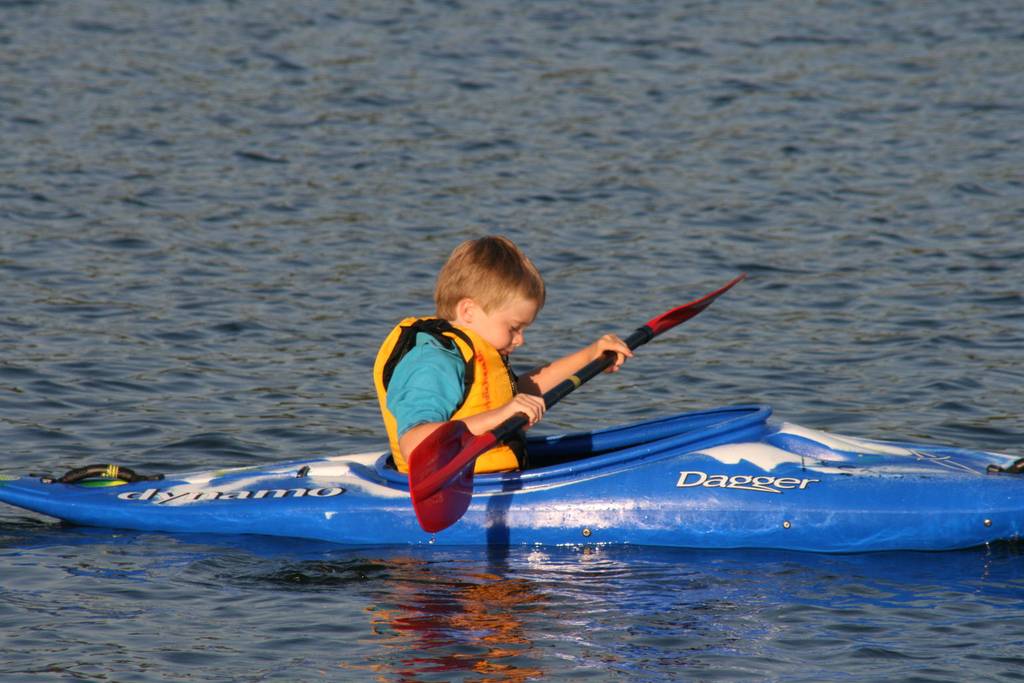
[[439, 330]]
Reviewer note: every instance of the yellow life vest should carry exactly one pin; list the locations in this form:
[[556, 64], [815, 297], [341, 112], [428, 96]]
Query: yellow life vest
[[489, 384]]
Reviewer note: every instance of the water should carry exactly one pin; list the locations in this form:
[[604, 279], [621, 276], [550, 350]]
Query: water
[[211, 212], [122, 606]]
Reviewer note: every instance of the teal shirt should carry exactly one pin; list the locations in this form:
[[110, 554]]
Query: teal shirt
[[427, 385]]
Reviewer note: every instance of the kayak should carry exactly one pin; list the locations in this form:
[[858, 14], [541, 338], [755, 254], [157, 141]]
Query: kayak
[[724, 478]]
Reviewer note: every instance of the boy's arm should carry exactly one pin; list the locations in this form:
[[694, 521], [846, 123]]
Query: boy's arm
[[546, 377], [531, 406]]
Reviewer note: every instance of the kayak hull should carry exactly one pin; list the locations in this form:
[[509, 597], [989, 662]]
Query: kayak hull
[[723, 478]]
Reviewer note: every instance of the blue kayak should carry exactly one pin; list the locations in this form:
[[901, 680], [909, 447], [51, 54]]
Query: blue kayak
[[723, 478]]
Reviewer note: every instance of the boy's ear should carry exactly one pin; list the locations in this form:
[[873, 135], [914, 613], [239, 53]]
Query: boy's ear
[[465, 310]]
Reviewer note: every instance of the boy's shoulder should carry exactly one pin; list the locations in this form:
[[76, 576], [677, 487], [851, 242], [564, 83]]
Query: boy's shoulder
[[429, 350], [429, 358], [428, 343], [418, 345]]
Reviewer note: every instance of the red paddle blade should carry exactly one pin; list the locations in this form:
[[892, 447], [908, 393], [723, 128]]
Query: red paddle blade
[[680, 314], [441, 486]]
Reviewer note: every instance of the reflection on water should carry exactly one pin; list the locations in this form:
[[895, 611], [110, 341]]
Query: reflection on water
[[658, 614], [312, 610], [473, 625], [440, 617]]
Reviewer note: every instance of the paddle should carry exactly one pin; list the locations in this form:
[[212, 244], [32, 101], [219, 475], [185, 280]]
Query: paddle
[[441, 466]]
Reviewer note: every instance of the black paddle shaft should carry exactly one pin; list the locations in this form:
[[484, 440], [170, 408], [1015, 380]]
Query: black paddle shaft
[[509, 427]]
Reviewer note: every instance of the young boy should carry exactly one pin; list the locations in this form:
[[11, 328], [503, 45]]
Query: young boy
[[455, 366]]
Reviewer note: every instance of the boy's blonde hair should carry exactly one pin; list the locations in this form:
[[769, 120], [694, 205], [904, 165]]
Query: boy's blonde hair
[[492, 271]]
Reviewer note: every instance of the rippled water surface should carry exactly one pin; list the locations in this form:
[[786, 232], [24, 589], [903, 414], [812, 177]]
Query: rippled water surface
[[211, 213]]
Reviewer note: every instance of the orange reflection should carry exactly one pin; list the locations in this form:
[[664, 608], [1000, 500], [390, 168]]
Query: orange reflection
[[470, 623]]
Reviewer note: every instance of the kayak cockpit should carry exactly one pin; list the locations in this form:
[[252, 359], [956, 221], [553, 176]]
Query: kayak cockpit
[[650, 436], [588, 453]]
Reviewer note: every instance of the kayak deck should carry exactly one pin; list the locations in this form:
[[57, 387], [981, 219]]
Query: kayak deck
[[720, 478]]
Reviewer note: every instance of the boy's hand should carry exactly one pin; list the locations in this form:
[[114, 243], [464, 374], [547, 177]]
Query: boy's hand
[[528, 404], [610, 342]]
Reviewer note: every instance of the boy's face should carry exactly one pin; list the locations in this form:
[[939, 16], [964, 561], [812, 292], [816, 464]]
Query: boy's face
[[503, 327]]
